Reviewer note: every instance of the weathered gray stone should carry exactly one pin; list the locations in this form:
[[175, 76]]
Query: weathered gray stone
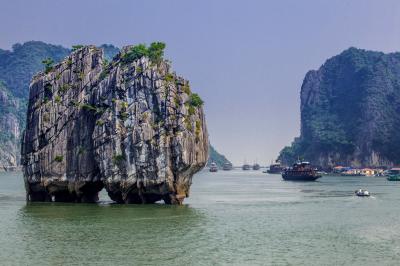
[[125, 126]]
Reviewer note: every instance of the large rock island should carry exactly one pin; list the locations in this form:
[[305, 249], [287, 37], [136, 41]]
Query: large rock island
[[130, 125], [350, 112]]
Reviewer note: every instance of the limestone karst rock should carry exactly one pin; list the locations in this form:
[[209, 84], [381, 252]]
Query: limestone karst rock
[[131, 126], [350, 112]]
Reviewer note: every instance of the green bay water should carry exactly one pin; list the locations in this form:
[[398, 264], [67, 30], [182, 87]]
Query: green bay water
[[231, 218]]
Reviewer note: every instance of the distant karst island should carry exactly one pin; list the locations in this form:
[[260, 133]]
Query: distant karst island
[[350, 112]]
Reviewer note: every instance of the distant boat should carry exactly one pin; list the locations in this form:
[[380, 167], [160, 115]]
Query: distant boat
[[275, 168], [227, 167], [213, 167], [362, 193], [256, 166], [246, 167], [393, 174], [301, 171]]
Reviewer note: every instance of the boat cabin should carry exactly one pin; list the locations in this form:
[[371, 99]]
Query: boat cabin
[[394, 171]]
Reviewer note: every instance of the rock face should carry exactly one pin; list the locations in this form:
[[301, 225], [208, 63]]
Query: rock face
[[131, 126], [350, 112], [9, 129]]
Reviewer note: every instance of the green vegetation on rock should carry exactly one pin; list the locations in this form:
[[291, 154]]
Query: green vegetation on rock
[[155, 52], [118, 159], [48, 65], [59, 158], [88, 107], [76, 47], [350, 112], [195, 100]]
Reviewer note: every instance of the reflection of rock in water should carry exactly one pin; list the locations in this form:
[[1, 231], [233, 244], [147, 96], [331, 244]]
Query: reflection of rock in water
[[133, 127]]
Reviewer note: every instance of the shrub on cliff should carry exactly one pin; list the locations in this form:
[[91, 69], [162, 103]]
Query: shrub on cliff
[[48, 64], [59, 158], [155, 52], [195, 100], [76, 47]]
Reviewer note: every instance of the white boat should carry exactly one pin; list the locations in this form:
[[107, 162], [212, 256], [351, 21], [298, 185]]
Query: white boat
[[213, 167], [362, 193]]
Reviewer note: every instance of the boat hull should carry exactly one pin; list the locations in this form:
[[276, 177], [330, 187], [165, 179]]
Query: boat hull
[[393, 178], [362, 195], [301, 171], [303, 178]]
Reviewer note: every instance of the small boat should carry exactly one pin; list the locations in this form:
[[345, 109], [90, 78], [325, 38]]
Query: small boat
[[213, 167], [227, 167], [393, 174], [275, 168], [362, 193], [256, 167], [246, 167], [301, 171]]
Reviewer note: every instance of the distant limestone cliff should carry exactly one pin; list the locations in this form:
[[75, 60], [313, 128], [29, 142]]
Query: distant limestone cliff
[[130, 125], [12, 112], [216, 157], [350, 112]]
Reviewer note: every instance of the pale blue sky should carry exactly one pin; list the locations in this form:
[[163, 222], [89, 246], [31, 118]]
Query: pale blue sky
[[247, 59]]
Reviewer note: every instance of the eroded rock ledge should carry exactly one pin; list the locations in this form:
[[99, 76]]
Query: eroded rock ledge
[[131, 126]]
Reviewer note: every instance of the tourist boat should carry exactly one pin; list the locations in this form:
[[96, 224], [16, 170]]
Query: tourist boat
[[256, 166], [393, 174], [362, 193], [275, 168], [213, 167], [246, 167], [227, 167], [300, 171]]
